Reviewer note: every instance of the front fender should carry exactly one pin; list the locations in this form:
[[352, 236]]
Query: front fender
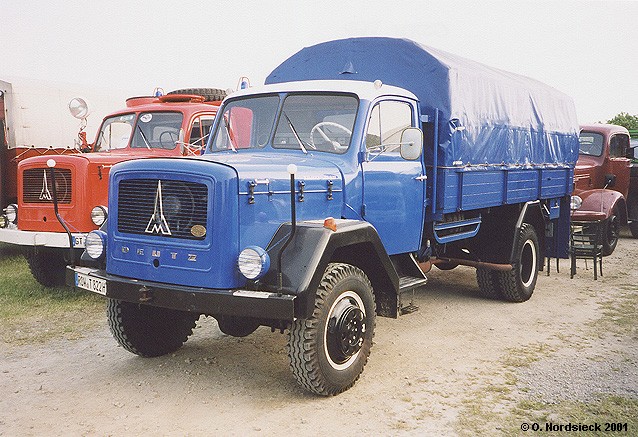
[[606, 201], [314, 247]]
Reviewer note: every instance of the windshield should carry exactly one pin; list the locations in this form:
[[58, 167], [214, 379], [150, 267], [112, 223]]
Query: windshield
[[590, 143], [307, 122], [153, 130]]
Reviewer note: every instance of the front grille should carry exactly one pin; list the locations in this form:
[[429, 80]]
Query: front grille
[[38, 186], [168, 208]]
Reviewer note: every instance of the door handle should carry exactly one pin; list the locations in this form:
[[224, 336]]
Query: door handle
[[421, 178]]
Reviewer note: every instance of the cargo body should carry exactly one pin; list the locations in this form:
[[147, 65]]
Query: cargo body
[[326, 195]]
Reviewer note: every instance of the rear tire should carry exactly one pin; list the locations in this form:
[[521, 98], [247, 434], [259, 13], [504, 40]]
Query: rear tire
[[329, 350], [517, 285], [209, 94], [47, 265], [632, 205], [149, 331]]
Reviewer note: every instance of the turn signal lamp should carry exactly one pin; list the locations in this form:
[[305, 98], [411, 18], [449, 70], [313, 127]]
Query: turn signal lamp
[[330, 223]]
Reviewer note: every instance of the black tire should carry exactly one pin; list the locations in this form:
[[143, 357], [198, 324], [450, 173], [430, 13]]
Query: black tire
[[517, 285], [633, 213], [488, 283], [149, 331], [47, 265], [210, 94], [329, 350], [611, 233], [237, 326]]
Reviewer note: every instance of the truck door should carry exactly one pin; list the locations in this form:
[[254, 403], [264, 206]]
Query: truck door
[[393, 188], [619, 163]]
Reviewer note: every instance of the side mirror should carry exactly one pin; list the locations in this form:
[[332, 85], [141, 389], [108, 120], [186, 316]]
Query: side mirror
[[411, 143]]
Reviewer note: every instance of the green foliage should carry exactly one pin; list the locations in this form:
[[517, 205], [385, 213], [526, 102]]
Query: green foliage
[[624, 119]]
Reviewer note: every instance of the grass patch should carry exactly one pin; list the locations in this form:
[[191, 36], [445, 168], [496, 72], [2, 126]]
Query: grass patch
[[31, 313]]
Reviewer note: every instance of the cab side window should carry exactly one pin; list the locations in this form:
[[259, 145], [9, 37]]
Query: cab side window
[[387, 121], [619, 146], [200, 130]]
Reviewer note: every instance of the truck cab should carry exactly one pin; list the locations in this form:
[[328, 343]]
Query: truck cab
[[602, 177], [75, 187]]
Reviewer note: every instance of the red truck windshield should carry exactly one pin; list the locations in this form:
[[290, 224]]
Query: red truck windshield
[[151, 130]]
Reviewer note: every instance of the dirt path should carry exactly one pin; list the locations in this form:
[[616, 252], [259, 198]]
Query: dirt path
[[426, 373]]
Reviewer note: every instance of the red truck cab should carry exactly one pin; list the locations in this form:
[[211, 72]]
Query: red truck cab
[[602, 176], [175, 124]]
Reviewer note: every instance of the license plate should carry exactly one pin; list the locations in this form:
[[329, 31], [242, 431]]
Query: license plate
[[79, 241], [90, 283]]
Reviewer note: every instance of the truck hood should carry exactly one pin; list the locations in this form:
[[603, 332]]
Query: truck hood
[[269, 171], [100, 158]]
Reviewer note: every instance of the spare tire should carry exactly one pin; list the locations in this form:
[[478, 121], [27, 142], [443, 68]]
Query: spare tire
[[209, 94]]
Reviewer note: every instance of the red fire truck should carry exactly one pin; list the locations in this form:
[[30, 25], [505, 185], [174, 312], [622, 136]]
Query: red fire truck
[[175, 124]]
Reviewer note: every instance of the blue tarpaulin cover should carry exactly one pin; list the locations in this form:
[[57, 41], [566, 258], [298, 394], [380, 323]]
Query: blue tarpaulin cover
[[486, 115]]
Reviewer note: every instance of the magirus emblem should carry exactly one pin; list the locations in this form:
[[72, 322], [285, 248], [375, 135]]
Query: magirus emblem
[[157, 224], [45, 194]]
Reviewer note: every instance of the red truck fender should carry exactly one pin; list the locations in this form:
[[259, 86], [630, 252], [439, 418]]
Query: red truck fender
[[607, 201]]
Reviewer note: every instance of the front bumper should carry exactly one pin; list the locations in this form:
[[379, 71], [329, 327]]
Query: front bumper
[[48, 239], [241, 303]]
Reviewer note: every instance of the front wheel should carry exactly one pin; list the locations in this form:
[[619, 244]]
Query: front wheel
[[611, 234], [47, 265], [517, 285], [329, 350], [149, 331]]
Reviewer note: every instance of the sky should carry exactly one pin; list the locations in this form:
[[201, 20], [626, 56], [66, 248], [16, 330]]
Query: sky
[[585, 49]]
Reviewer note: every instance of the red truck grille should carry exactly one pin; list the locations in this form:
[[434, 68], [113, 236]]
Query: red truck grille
[[38, 187]]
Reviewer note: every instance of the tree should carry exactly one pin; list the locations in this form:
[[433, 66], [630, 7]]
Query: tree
[[624, 119]]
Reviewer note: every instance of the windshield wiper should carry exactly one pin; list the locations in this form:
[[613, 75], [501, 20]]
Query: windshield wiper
[[148, 146], [294, 132], [230, 140]]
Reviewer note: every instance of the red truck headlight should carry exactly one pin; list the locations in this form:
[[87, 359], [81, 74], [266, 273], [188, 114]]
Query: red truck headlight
[[99, 215]]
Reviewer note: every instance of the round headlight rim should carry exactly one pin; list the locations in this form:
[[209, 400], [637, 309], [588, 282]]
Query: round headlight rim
[[575, 202], [259, 259], [90, 243], [11, 213], [99, 212]]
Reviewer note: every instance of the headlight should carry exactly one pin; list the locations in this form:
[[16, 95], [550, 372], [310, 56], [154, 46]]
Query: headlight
[[98, 215], [11, 212], [95, 244], [576, 202], [253, 262]]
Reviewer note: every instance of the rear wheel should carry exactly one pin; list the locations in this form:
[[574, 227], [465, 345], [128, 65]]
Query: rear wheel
[[517, 285], [47, 265], [149, 331], [329, 350], [633, 216]]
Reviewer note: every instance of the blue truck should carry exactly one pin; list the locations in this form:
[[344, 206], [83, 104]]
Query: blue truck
[[324, 197]]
